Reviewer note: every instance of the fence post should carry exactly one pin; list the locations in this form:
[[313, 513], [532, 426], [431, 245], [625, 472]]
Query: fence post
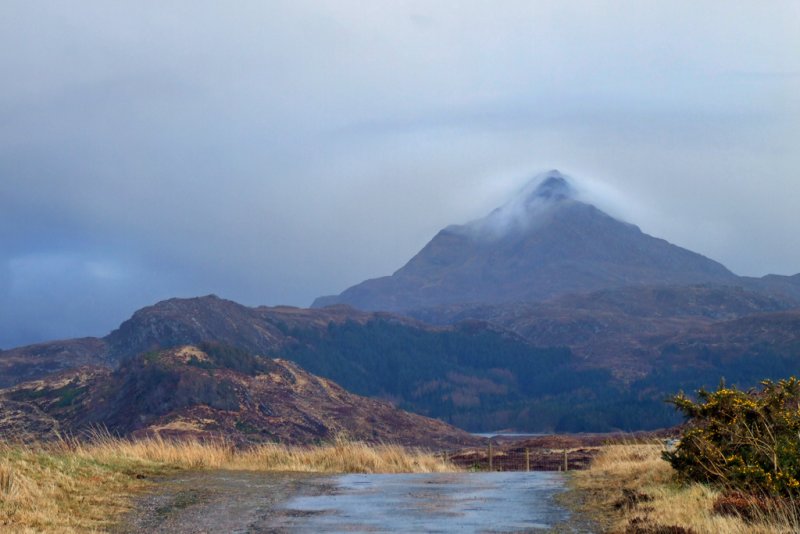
[[491, 468], [527, 459], [566, 464]]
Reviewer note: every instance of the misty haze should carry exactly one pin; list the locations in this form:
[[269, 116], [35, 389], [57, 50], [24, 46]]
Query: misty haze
[[399, 266]]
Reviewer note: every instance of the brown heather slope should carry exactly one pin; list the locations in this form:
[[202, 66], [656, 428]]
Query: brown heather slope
[[213, 392], [260, 330], [761, 337], [175, 322], [628, 349], [35, 361], [626, 329]]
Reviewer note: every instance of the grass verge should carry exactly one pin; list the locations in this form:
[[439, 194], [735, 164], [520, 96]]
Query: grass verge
[[75, 486], [630, 489]]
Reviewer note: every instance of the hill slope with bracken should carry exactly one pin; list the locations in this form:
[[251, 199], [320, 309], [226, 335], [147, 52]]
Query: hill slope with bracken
[[597, 361], [617, 329], [613, 356], [174, 322], [542, 244], [212, 391]]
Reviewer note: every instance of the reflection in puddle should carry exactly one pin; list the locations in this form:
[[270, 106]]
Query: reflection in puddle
[[464, 502]]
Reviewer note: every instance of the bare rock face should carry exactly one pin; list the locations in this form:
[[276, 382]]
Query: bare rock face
[[212, 391], [540, 245]]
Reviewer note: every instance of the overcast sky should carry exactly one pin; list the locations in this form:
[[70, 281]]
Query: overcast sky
[[272, 152]]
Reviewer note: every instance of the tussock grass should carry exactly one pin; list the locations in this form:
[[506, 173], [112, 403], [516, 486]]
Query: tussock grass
[[83, 486], [339, 456], [54, 491], [630, 488]]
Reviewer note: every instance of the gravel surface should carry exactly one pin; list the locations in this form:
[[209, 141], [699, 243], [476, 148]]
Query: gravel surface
[[218, 502], [246, 502]]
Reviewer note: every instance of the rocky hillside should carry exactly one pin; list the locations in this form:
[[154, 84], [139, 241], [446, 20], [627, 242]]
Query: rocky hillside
[[598, 361], [212, 391], [173, 322], [184, 321], [36, 361], [542, 244], [621, 330]]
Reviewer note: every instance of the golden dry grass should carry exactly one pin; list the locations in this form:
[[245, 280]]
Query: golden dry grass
[[339, 456], [639, 469], [53, 491], [86, 486]]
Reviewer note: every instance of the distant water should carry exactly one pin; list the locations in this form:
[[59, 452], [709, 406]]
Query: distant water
[[440, 502], [510, 434]]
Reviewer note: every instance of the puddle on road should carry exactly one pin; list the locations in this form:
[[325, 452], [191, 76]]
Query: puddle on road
[[461, 502], [246, 502]]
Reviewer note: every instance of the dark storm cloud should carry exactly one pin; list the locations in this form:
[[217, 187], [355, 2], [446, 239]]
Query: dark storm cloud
[[271, 152]]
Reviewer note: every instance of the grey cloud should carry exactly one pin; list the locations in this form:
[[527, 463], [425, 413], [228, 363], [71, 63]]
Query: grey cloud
[[273, 152]]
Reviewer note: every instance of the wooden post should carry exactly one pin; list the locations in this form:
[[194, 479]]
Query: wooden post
[[491, 468], [566, 464], [527, 459]]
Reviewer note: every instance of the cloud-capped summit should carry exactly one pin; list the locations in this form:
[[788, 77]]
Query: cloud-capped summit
[[542, 243], [529, 206], [553, 186]]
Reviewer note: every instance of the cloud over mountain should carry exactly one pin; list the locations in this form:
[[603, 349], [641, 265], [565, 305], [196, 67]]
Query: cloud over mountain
[[273, 152], [541, 244]]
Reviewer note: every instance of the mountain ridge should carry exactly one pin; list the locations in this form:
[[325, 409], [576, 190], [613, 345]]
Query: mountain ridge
[[591, 362], [542, 244]]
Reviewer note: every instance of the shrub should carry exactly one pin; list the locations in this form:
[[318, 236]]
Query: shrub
[[227, 357], [748, 440]]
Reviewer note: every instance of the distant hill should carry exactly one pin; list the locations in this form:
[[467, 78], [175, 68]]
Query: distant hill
[[542, 244], [584, 362], [212, 391], [616, 329], [465, 374], [185, 321], [35, 361], [171, 323]]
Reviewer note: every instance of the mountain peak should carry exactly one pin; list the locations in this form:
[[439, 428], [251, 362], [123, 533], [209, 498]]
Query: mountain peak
[[552, 185], [527, 208], [544, 242]]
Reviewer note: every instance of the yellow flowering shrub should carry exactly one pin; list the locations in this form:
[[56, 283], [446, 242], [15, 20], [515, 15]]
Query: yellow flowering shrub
[[747, 440]]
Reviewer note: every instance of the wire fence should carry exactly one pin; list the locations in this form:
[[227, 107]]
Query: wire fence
[[498, 458]]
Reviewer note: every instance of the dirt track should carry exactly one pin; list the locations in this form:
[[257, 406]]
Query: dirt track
[[228, 501]]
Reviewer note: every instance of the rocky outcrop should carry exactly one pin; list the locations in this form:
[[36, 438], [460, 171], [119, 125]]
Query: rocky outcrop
[[212, 391]]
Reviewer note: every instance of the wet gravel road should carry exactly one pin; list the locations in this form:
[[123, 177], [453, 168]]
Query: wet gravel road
[[244, 502]]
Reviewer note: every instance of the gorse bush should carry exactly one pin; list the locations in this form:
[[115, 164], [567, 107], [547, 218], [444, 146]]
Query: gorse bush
[[747, 440]]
